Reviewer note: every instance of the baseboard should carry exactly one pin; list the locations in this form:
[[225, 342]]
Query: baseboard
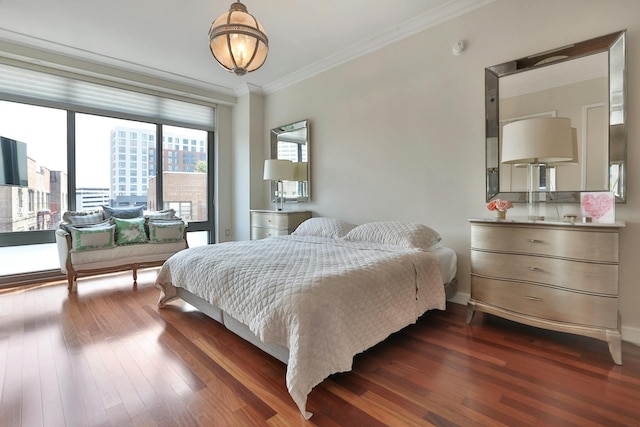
[[629, 333], [22, 279], [459, 298]]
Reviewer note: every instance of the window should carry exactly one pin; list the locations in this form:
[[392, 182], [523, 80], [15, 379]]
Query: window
[[185, 189], [46, 159], [97, 146]]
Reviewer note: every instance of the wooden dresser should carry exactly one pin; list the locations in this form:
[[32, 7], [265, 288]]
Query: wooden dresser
[[550, 275], [275, 223]]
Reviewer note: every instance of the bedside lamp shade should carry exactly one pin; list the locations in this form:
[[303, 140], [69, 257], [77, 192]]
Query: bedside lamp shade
[[537, 140], [278, 170]]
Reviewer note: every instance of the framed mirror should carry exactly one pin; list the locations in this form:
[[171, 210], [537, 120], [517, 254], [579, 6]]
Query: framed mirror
[[585, 82], [291, 142]]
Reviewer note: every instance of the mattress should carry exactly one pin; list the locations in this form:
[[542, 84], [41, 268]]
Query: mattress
[[313, 296]]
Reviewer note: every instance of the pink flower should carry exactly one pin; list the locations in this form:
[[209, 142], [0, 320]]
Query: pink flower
[[499, 204]]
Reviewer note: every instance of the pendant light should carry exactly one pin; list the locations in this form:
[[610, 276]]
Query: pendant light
[[238, 41]]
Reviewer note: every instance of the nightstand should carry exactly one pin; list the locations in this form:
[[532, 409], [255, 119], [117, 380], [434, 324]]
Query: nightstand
[[551, 275], [275, 223]]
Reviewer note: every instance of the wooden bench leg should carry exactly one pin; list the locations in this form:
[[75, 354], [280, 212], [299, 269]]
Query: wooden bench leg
[[135, 275], [71, 280]]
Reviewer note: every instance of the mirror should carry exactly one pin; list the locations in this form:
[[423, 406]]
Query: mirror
[[291, 142], [585, 82]]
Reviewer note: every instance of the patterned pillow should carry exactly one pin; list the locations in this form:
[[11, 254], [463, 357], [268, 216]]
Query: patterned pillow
[[82, 218], [396, 233], [129, 230], [96, 237], [323, 227], [166, 231], [128, 212], [163, 214]]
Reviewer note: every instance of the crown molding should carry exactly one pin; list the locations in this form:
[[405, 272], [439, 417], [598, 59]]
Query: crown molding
[[447, 11], [247, 88]]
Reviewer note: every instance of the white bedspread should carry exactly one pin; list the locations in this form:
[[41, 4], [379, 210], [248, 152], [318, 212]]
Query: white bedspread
[[326, 300]]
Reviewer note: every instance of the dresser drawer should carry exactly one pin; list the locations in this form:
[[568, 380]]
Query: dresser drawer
[[264, 232], [566, 243], [581, 276], [547, 303], [269, 219]]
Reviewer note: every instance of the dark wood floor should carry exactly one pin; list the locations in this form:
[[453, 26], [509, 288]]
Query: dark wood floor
[[108, 356]]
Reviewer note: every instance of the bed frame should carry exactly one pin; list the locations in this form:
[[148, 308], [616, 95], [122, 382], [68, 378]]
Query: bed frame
[[278, 351]]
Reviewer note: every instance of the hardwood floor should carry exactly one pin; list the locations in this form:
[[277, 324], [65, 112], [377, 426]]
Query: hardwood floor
[[108, 356]]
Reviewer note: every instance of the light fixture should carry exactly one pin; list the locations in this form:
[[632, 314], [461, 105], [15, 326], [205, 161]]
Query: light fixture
[[238, 41], [278, 170], [537, 142]]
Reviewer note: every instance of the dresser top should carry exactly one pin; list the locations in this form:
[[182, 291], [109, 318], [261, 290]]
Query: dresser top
[[277, 212], [525, 221]]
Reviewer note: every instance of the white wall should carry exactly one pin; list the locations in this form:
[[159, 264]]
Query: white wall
[[399, 133]]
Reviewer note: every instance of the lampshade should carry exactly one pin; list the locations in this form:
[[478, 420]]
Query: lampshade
[[300, 171], [238, 41], [537, 140], [278, 170], [574, 158]]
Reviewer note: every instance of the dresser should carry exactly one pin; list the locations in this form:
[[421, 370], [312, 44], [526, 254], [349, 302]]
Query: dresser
[[551, 275], [275, 223]]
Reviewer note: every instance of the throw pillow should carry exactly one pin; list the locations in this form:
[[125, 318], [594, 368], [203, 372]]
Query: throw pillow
[[129, 231], [166, 231], [86, 238], [126, 212]]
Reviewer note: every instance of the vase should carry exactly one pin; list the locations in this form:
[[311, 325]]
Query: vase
[[501, 214]]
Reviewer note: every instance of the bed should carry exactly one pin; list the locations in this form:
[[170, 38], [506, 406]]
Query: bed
[[318, 297]]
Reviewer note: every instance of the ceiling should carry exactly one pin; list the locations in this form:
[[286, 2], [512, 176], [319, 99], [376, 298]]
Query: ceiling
[[168, 38]]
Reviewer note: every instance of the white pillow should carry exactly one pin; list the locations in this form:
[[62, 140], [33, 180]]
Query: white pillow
[[163, 214], [323, 227], [396, 233], [83, 218]]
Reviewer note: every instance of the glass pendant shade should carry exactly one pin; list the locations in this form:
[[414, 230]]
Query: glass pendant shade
[[238, 41]]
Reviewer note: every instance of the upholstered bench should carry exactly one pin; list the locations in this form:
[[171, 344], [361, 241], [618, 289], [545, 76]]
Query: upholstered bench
[[117, 239]]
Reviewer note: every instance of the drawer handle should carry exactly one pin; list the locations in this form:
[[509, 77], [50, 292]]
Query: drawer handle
[[530, 298], [533, 269], [534, 241]]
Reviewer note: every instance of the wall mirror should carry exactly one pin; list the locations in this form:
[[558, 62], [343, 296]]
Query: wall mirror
[[585, 82], [291, 142]]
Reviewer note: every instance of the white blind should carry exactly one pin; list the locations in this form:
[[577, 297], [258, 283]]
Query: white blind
[[21, 84]]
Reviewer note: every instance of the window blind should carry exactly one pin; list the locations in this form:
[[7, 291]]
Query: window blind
[[61, 91]]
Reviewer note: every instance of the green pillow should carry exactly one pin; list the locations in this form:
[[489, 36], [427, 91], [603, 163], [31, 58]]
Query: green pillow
[[86, 238], [166, 231], [129, 230]]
